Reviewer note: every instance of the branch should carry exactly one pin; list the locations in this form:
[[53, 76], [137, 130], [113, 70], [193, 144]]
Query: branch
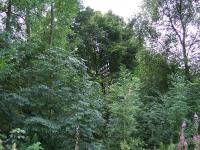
[[172, 25], [193, 41]]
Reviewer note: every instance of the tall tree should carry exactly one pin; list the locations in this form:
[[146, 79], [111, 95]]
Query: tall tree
[[177, 24], [34, 79], [123, 103], [104, 38]]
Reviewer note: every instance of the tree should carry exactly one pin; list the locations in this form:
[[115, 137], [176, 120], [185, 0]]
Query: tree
[[46, 89], [104, 38], [49, 97], [178, 25], [162, 116], [153, 71], [33, 19], [123, 103], [61, 16]]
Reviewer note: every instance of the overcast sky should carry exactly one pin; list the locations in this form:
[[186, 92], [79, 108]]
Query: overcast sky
[[123, 8]]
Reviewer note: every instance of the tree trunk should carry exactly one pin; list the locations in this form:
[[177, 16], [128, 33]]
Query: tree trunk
[[186, 66], [8, 14], [185, 57], [51, 25], [27, 21], [183, 43]]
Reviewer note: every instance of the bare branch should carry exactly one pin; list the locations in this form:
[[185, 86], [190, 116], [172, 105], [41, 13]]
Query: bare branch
[[193, 41], [172, 25]]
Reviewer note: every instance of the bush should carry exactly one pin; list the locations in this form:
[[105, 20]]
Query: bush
[[35, 146]]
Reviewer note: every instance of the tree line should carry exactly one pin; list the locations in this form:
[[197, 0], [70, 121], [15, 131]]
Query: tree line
[[74, 78]]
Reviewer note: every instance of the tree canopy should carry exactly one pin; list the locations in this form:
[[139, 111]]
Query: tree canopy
[[74, 78]]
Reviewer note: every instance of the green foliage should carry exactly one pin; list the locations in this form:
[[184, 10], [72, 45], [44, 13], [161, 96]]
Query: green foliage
[[153, 71], [116, 42], [46, 90], [19, 139], [124, 146], [171, 146], [35, 146], [44, 115], [48, 93], [123, 102], [17, 134], [1, 146], [164, 115]]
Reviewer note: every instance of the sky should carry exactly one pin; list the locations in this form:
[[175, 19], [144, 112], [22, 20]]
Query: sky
[[123, 8]]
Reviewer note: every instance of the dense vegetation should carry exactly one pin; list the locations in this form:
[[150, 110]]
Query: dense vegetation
[[73, 78]]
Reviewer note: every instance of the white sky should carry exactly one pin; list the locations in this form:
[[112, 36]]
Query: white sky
[[123, 8]]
